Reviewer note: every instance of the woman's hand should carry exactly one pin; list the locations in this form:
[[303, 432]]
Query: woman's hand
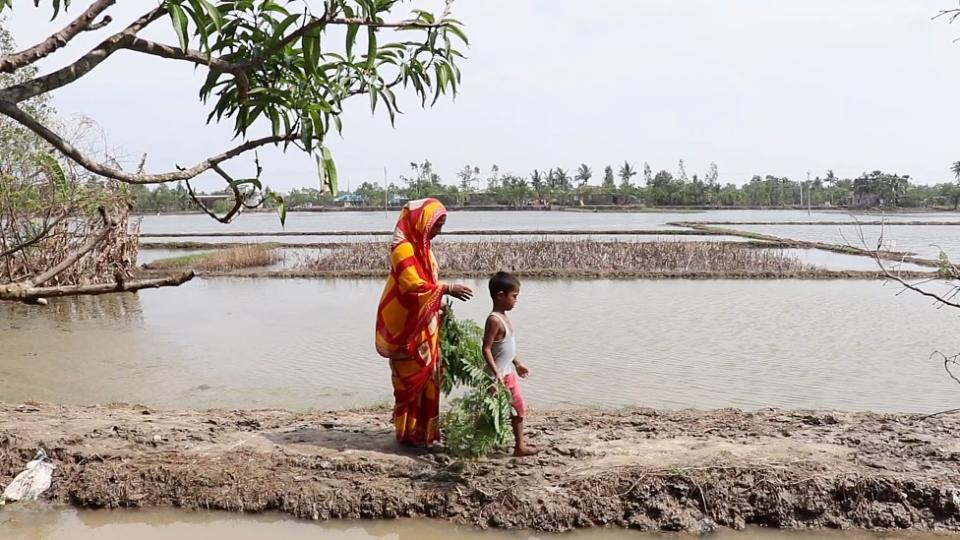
[[460, 292]]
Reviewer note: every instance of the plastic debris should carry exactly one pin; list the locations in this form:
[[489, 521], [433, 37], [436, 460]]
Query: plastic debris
[[32, 481]]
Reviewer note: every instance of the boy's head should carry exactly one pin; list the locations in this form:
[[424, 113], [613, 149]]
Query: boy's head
[[504, 289]]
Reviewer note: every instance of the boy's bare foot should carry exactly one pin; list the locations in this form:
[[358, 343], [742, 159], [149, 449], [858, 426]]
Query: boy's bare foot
[[526, 451]]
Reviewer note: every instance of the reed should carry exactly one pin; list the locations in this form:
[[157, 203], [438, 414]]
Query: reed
[[248, 256], [572, 256]]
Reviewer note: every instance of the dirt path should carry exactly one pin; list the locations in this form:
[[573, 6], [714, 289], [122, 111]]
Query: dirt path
[[644, 469]]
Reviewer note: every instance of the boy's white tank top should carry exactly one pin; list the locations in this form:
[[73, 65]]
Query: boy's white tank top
[[505, 350]]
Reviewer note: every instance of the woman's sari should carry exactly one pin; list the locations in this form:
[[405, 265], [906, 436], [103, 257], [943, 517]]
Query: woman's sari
[[408, 324]]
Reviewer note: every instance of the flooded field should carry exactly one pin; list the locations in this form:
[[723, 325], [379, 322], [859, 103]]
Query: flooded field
[[315, 239], [459, 221], [851, 345], [293, 257], [33, 524], [924, 240]]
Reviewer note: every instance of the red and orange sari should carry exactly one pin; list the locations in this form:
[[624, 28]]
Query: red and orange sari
[[408, 324]]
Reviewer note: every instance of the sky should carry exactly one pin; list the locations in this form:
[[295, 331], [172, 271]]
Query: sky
[[759, 87]]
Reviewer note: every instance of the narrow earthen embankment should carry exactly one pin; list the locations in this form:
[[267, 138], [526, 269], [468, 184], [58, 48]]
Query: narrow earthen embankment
[[644, 469]]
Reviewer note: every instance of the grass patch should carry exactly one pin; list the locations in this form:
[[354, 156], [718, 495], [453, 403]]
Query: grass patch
[[248, 256]]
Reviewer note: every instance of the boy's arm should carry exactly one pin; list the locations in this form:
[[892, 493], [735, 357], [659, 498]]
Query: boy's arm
[[490, 332]]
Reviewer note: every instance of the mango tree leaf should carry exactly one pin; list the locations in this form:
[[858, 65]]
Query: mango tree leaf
[[179, 18], [351, 38], [327, 170], [279, 205], [457, 31], [371, 46], [215, 17]]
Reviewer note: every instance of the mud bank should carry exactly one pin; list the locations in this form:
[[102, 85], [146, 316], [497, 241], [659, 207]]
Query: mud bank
[[643, 469]]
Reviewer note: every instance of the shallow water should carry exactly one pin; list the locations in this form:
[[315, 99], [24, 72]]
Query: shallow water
[[315, 239], [843, 261], [924, 240], [26, 524], [459, 221], [850, 345]]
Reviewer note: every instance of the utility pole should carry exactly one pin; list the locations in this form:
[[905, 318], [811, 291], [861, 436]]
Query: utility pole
[[801, 194], [386, 195], [808, 193]]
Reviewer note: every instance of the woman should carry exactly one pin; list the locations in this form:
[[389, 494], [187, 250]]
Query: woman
[[408, 322]]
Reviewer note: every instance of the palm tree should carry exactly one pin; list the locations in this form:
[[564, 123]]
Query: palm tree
[[536, 180], [955, 169], [562, 179], [583, 174], [626, 173], [608, 181]]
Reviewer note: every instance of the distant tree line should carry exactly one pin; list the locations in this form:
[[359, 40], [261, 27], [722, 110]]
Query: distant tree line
[[622, 185]]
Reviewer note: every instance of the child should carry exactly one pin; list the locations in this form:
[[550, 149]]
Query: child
[[500, 352]]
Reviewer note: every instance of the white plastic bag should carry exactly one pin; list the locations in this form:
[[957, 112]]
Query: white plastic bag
[[32, 481]]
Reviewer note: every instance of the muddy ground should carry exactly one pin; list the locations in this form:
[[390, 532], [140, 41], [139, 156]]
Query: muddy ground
[[644, 469]]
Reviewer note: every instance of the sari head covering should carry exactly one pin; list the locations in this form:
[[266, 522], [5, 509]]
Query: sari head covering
[[408, 323]]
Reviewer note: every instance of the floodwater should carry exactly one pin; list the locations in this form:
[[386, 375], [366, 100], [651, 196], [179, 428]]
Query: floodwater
[[844, 261], [314, 239], [924, 240], [26, 524], [531, 220], [852, 345]]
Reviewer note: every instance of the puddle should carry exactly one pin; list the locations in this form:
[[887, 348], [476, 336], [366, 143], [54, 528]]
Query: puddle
[[32, 523]]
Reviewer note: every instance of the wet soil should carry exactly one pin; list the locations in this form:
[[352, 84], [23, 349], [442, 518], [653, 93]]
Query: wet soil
[[644, 469]]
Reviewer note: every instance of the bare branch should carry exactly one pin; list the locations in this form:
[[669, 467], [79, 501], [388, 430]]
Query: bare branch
[[40, 236], [76, 255], [23, 293], [101, 169], [84, 65], [915, 287], [12, 62]]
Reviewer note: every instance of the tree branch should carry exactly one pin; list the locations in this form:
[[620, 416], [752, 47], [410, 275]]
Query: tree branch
[[40, 236], [62, 77], [21, 293], [76, 255], [12, 62], [896, 277], [107, 171], [237, 199], [176, 53], [191, 55]]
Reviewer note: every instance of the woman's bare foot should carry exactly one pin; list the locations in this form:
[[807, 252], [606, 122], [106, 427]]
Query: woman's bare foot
[[526, 451]]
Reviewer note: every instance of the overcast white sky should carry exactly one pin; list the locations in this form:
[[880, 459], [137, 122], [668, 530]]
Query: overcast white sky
[[759, 86]]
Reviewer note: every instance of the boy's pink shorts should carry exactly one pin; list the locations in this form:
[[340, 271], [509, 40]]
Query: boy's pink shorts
[[513, 385]]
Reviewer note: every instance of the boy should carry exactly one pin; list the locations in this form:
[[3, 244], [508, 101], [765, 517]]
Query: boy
[[500, 352]]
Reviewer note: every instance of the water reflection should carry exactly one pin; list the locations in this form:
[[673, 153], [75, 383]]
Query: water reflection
[[102, 309], [25, 523]]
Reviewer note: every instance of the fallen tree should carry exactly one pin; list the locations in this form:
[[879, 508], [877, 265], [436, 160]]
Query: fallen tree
[[272, 69], [63, 231]]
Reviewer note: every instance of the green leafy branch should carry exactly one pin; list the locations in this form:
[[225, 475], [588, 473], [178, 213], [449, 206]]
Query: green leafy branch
[[273, 65], [478, 422]]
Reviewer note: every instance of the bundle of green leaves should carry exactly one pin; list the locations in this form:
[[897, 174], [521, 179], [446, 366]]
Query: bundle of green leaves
[[478, 422]]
